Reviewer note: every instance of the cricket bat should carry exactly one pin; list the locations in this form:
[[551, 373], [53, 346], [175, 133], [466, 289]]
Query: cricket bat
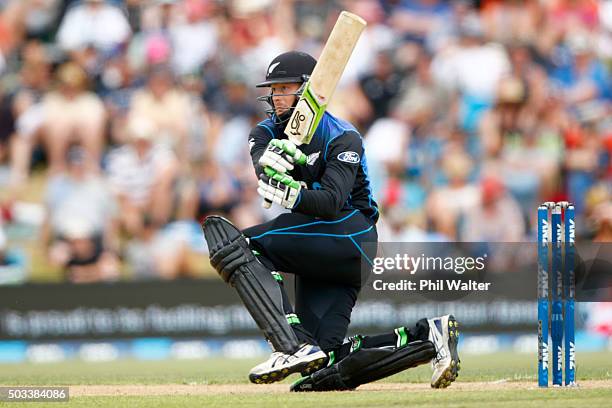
[[325, 76], [322, 83]]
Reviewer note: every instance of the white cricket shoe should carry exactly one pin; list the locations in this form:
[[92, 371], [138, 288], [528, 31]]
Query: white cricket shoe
[[444, 334], [306, 360]]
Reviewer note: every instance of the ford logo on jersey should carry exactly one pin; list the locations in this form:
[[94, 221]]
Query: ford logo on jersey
[[349, 157]]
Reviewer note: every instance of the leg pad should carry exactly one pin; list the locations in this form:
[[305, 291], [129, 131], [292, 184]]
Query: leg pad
[[231, 256], [366, 365]]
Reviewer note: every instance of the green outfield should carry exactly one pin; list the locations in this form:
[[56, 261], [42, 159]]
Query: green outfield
[[502, 379]]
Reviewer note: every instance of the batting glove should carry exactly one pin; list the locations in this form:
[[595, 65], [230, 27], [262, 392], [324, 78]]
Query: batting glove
[[281, 155], [279, 188]]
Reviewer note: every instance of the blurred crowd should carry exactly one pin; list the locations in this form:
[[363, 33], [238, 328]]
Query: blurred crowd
[[128, 120]]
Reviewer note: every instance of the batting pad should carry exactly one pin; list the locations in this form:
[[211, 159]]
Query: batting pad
[[366, 365], [231, 257]]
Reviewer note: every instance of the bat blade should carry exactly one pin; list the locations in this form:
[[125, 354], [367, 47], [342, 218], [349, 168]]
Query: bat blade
[[320, 87]]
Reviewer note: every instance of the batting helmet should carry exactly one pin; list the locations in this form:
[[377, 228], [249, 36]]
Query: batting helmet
[[292, 66]]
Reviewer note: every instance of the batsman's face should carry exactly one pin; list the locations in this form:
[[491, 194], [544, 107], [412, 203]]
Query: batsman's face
[[283, 96]]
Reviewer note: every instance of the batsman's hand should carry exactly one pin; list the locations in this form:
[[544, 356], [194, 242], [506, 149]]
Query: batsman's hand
[[279, 188], [281, 155]]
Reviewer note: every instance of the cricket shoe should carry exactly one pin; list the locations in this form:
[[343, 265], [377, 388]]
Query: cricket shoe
[[305, 360], [444, 334]]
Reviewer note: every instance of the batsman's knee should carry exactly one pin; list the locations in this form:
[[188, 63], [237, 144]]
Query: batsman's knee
[[228, 248]]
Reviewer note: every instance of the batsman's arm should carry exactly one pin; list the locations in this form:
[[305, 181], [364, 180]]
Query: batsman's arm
[[338, 178], [259, 137]]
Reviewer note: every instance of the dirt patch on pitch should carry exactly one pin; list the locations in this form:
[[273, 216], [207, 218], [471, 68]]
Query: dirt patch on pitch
[[479, 386], [215, 389]]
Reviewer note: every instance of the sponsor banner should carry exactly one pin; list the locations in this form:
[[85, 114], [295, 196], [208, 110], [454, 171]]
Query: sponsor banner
[[140, 349], [209, 308], [145, 349], [123, 309]]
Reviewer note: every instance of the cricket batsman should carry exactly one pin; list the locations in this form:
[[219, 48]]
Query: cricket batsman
[[325, 186]]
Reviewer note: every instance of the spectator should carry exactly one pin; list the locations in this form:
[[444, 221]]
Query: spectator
[[473, 67], [81, 254], [93, 22], [581, 161], [80, 194], [377, 36], [194, 40], [249, 212], [448, 204], [117, 84], [72, 114], [507, 21], [422, 93], [154, 254], [415, 19], [256, 32], [603, 221], [202, 124], [497, 218], [13, 267], [598, 212], [6, 131], [382, 161], [507, 117], [165, 106], [142, 174], [429, 138], [21, 19], [381, 85], [583, 78], [34, 18], [152, 44], [218, 190], [402, 227], [27, 109], [80, 229]]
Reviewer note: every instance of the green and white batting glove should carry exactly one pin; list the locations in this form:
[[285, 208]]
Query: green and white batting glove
[[281, 155], [279, 188]]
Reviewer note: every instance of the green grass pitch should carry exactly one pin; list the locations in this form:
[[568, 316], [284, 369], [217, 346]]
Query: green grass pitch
[[495, 380]]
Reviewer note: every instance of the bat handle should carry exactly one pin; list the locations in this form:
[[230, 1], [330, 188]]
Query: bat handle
[[270, 173]]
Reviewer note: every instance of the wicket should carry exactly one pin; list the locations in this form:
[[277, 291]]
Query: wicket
[[556, 260]]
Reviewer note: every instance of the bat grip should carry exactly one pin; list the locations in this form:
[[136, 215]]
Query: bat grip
[[270, 173]]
